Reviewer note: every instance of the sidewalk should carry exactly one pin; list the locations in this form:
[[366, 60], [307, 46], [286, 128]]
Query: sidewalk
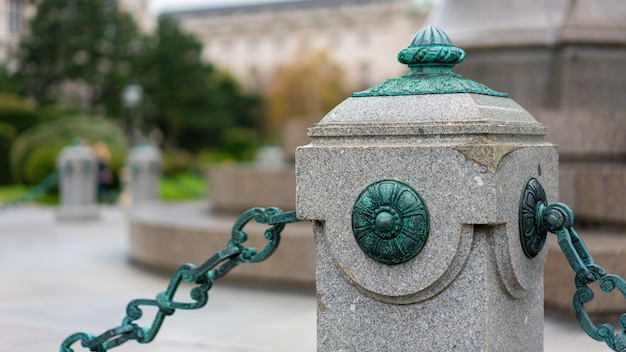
[[60, 278]]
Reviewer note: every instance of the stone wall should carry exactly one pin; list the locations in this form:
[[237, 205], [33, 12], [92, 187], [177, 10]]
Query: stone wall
[[163, 238]]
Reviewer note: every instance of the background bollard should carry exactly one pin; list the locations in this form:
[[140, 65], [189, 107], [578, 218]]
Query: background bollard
[[414, 189], [144, 162], [78, 182]]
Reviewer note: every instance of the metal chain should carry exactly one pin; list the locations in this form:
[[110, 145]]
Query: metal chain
[[35, 192], [558, 218], [204, 276]]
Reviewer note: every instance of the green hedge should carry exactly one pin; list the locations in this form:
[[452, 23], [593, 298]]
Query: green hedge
[[16, 115], [34, 152], [7, 135], [15, 111]]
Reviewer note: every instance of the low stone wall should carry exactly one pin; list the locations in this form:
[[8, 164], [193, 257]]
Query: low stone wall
[[234, 188], [164, 237]]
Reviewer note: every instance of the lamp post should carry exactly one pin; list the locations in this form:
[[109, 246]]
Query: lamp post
[[132, 96]]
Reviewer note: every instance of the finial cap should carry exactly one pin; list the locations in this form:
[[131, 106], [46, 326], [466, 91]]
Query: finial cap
[[430, 56], [429, 46]]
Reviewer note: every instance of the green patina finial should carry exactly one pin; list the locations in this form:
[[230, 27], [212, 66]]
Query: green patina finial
[[430, 35], [431, 57]]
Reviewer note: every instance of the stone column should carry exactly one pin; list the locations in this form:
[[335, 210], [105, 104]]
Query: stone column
[[78, 183], [414, 188], [144, 162]]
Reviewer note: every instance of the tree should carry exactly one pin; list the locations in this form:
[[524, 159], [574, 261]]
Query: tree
[[82, 53], [304, 89], [10, 82], [191, 101], [88, 44]]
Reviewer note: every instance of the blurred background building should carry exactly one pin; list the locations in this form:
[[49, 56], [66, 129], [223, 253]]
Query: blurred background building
[[252, 41], [140, 11], [13, 17]]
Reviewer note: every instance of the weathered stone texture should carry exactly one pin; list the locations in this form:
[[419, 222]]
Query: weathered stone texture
[[468, 157]]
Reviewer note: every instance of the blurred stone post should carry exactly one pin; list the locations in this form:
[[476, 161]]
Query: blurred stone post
[[144, 162], [414, 187], [78, 183]]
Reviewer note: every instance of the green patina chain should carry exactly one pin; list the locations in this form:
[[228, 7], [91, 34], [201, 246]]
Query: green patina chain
[[558, 218], [204, 276], [536, 219]]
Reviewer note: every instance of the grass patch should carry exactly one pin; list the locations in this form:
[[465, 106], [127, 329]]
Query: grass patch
[[11, 192], [14, 194], [182, 187]]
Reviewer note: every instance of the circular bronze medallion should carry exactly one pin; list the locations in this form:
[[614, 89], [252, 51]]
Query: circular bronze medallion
[[531, 233], [390, 222]]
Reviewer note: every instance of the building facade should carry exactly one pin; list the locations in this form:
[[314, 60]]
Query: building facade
[[253, 41], [14, 16], [139, 10]]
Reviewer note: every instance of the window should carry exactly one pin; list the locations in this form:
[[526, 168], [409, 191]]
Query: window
[[15, 16]]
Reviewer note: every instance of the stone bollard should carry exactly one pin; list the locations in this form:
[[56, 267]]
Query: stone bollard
[[144, 162], [414, 187], [78, 183]]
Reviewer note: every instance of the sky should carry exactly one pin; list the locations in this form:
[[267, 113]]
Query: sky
[[158, 6]]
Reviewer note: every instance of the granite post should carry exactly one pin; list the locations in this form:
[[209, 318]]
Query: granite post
[[144, 162], [414, 190], [78, 183]]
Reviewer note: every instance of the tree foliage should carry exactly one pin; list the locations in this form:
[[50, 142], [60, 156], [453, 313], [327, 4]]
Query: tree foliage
[[89, 44], [34, 152], [187, 97], [82, 53], [305, 89], [16, 116]]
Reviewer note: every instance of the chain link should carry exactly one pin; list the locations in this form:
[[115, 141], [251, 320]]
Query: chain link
[[203, 275], [558, 218]]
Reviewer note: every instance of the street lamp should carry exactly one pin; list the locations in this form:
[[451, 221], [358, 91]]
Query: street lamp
[[132, 96]]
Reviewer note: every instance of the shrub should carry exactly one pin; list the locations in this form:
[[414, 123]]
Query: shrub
[[7, 135], [240, 143], [34, 152], [176, 161], [15, 111], [16, 115]]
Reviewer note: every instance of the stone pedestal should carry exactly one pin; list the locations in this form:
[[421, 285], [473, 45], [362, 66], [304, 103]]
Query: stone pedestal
[[78, 183], [414, 189], [144, 162]]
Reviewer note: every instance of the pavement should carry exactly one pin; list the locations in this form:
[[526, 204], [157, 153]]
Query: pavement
[[59, 278]]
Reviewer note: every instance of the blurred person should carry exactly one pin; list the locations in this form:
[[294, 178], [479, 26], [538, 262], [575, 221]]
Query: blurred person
[[105, 175]]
